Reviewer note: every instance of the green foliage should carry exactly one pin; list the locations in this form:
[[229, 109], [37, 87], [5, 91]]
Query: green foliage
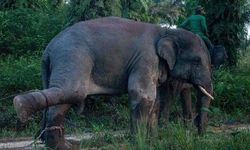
[[140, 10], [227, 24], [17, 78], [231, 86], [25, 30], [167, 11], [86, 9], [231, 90]]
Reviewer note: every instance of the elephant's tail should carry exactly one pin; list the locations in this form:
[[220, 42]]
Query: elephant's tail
[[45, 70], [27, 104]]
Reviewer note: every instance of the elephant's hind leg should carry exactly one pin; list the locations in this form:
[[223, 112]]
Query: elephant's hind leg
[[27, 104], [54, 131]]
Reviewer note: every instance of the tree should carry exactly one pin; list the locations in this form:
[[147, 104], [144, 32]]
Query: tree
[[169, 11], [227, 21], [141, 10], [87, 9], [15, 4], [26, 26]]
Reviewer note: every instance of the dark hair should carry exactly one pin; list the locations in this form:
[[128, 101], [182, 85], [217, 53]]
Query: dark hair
[[199, 9]]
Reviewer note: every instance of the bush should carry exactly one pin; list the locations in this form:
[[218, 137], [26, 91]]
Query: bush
[[231, 87], [19, 74], [27, 31], [232, 91]]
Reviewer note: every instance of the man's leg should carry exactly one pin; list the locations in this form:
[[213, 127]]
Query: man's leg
[[208, 43]]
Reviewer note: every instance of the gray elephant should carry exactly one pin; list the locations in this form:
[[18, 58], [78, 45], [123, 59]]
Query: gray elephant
[[218, 57], [113, 56]]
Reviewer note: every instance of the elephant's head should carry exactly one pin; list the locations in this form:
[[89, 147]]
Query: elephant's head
[[188, 60], [218, 56]]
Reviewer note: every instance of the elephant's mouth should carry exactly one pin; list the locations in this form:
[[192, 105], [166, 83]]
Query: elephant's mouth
[[205, 92]]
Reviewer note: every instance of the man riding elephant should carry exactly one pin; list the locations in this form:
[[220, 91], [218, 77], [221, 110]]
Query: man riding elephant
[[197, 24]]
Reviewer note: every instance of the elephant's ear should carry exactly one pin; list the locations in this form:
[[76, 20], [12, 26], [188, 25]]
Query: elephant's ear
[[166, 50]]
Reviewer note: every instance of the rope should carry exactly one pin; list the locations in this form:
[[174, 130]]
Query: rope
[[60, 128], [44, 119], [13, 95]]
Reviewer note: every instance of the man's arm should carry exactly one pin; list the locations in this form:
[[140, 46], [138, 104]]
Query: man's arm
[[184, 25], [204, 25]]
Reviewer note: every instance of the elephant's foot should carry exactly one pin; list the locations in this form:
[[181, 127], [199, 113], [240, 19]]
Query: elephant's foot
[[200, 122], [54, 139], [188, 120], [27, 104], [23, 107], [188, 123], [197, 121]]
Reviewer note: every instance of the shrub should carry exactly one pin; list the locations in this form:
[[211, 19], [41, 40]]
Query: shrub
[[231, 87], [26, 31], [19, 74]]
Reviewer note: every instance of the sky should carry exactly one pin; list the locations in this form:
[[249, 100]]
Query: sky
[[248, 31]]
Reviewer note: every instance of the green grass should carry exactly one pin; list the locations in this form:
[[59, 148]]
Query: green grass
[[175, 137]]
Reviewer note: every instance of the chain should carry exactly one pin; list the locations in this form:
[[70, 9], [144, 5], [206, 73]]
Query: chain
[[60, 128]]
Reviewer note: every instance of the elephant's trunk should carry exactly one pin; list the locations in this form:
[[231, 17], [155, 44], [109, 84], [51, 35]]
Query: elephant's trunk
[[27, 104]]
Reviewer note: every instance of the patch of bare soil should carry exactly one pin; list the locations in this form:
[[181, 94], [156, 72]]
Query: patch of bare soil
[[27, 143], [229, 128]]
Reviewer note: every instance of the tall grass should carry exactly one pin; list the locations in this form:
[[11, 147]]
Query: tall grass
[[173, 137]]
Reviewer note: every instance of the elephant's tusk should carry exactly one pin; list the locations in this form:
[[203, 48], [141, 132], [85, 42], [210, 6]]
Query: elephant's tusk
[[205, 92]]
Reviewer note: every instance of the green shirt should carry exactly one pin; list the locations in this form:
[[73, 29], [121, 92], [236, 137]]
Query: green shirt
[[196, 24]]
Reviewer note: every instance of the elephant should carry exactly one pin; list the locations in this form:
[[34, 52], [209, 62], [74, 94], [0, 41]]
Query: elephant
[[113, 55], [218, 57]]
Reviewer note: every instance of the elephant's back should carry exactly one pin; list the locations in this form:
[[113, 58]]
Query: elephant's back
[[118, 25], [111, 31]]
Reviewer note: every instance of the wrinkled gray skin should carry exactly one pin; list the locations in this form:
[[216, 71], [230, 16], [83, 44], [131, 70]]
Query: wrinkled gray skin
[[114, 56], [175, 87]]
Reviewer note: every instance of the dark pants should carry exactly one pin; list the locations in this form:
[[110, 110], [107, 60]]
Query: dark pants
[[208, 43]]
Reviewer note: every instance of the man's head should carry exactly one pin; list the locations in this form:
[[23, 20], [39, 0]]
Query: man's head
[[199, 10]]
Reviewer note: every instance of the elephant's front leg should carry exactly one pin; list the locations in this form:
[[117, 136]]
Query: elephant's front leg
[[54, 131], [202, 107], [165, 96], [186, 101], [143, 104]]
